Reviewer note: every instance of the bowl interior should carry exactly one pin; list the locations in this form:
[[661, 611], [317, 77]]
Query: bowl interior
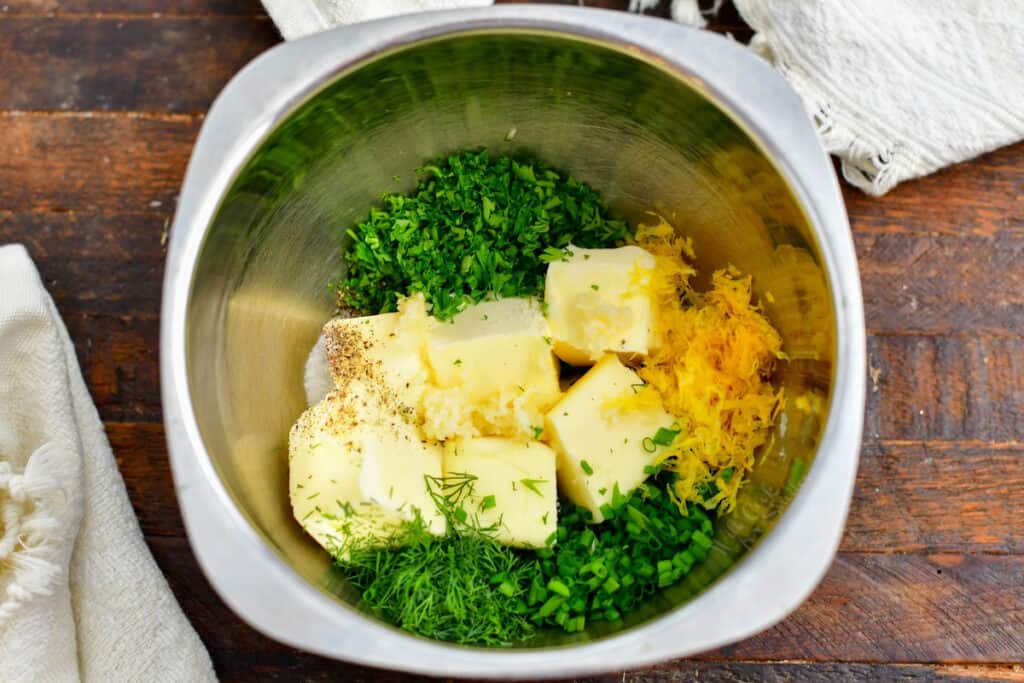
[[649, 139]]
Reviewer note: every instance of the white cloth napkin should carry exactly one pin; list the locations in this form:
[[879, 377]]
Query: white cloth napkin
[[297, 18], [897, 90], [80, 595]]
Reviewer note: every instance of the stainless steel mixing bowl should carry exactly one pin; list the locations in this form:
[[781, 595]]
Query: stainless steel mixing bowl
[[658, 118]]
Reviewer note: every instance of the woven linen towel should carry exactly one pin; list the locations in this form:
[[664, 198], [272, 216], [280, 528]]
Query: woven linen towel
[[896, 89], [297, 18], [899, 89], [80, 596]]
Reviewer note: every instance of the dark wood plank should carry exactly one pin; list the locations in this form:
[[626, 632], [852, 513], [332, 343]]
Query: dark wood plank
[[119, 361], [982, 197], [306, 667], [910, 497], [942, 283], [870, 608], [102, 163], [938, 497], [171, 65], [96, 264], [904, 608], [140, 449], [146, 7], [945, 388], [814, 672]]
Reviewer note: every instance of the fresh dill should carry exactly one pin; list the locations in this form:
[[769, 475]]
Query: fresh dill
[[464, 587]]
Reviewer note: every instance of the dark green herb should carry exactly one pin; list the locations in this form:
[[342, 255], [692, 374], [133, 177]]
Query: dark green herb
[[473, 228], [445, 587], [664, 437], [796, 475], [531, 484], [600, 572], [585, 466], [466, 588], [463, 587]]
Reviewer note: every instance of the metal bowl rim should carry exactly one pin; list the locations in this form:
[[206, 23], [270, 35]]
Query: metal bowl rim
[[300, 70]]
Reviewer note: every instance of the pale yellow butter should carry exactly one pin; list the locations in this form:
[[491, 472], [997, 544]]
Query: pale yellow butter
[[386, 349], [598, 301], [597, 424], [357, 470], [514, 489], [493, 369]]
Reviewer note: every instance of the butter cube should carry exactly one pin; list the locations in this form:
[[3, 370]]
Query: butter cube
[[599, 301], [514, 489], [494, 372], [385, 349], [356, 471], [602, 431]]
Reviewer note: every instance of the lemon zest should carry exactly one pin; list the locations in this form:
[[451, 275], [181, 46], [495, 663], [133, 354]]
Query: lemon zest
[[711, 369]]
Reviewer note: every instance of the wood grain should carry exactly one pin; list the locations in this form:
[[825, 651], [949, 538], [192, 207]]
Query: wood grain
[[967, 387], [92, 163], [174, 65], [982, 197], [938, 497], [251, 8], [918, 283], [914, 282], [119, 361], [106, 264], [302, 666], [928, 389], [905, 608], [942, 283], [869, 608]]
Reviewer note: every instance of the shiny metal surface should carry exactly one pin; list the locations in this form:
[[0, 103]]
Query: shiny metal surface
[[656, 116]]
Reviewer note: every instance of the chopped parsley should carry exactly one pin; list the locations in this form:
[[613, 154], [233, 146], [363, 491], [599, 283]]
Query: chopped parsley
[[474, 227], [585, 466]]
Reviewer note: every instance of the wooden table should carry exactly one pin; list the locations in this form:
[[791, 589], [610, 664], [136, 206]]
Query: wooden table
[[100, 101]]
